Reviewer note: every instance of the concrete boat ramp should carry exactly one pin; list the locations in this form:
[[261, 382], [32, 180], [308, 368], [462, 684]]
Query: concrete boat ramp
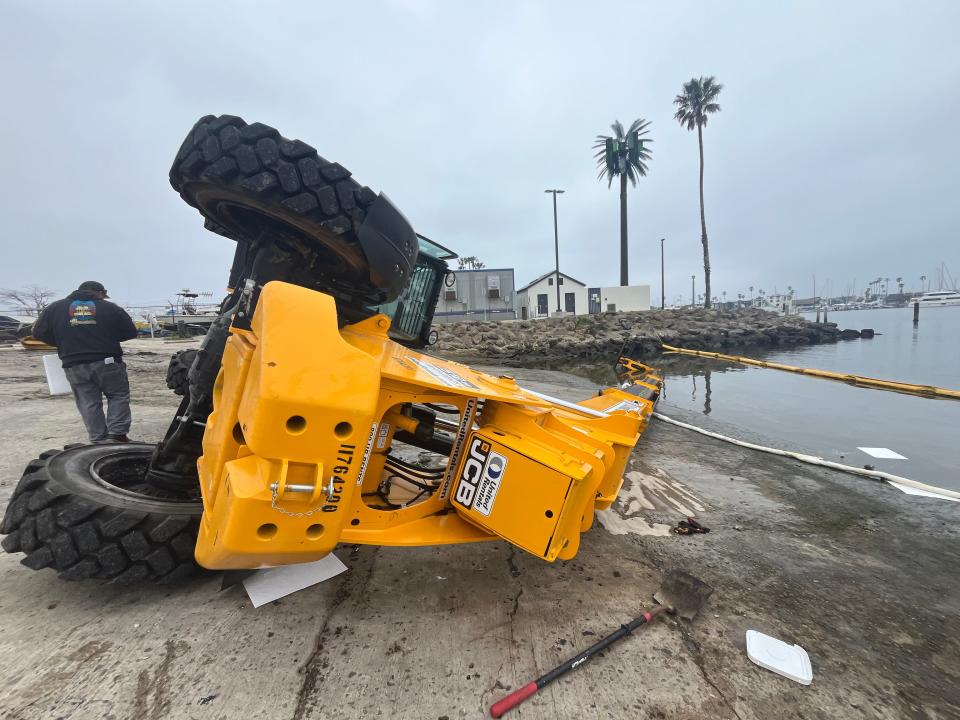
[[862, 576]]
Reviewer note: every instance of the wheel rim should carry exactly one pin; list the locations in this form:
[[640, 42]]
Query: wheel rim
[[124, 470]]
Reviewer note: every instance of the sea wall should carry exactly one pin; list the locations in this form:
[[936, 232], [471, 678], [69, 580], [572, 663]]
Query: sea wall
[[604, 334]]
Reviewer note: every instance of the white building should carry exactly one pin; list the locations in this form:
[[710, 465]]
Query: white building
[[538, 299], [619, 298]]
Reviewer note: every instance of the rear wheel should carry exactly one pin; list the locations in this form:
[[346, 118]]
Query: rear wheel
[[87, 513], [250, 182]]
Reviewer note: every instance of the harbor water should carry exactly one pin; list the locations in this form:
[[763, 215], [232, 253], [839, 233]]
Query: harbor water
[[832, 419]]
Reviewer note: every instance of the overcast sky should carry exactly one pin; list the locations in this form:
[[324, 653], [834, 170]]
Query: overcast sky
[[835, 154]]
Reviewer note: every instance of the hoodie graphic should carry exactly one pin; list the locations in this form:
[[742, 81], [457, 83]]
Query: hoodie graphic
[[82, 312]]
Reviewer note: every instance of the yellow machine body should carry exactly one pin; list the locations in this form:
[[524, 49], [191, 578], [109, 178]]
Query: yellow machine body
[[300, 445]]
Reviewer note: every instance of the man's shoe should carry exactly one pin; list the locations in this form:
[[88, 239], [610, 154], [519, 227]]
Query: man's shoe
[[117, 438]]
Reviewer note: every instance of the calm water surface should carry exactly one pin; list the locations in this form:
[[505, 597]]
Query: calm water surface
[[832, 419]]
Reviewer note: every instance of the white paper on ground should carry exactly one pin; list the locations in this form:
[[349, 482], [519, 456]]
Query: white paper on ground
[[917, 491], [56, 378], [271, 584], [882, 453], [791, 661]]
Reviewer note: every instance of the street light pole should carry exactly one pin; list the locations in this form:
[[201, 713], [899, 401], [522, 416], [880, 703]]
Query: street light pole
[[663, 289], [693, 296], [556, 244]]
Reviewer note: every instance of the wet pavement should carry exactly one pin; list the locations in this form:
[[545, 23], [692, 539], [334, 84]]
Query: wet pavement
[[859, 574]]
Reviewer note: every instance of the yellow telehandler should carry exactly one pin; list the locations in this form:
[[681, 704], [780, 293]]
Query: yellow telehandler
[[309, 415]]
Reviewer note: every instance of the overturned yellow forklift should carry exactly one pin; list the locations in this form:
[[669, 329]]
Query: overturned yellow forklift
[[309, 416]]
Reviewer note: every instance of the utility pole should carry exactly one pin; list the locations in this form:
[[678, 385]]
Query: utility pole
[[693, 296], [663, 288], [556, 244]]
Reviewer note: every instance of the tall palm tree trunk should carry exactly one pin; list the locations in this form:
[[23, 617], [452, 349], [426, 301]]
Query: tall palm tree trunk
[[703, 228], [624, 280]]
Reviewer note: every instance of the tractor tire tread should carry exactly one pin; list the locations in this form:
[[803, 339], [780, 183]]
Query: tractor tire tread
[[268, 163], [179, 369], [81, 540]]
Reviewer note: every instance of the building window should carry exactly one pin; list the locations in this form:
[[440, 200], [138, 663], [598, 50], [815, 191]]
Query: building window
[[570, 302], [560, 279], [450, 294], [493, 287], [550, 281]]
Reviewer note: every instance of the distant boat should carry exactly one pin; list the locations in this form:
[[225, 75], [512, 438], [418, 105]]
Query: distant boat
[[937, 298], [199, 322], [779, 304]]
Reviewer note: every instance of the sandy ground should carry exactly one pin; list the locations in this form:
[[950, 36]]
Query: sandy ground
[[862, 576]]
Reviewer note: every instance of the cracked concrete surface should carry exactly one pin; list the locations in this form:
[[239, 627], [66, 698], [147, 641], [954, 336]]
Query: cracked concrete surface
[[859, 574]]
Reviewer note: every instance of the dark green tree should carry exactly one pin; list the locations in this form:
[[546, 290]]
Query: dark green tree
[[694, 105], [624, 154]]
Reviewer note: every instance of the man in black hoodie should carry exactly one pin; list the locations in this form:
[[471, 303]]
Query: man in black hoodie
[[87, 332]]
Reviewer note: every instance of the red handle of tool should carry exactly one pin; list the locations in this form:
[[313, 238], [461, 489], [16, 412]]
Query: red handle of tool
[[512, 700]]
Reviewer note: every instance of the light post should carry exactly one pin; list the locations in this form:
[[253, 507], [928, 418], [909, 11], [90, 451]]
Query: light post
[[693, 295], [663, 288], [556, 244]]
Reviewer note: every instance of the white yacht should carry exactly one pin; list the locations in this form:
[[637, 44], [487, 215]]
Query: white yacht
[[779, 304], [938, 297]]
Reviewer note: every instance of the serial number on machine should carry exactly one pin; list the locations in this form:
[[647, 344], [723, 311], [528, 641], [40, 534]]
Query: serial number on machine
[[345, 455]]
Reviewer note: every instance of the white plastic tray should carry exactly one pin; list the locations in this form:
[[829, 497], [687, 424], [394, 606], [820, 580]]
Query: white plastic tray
[[791, 661], [56, 378]]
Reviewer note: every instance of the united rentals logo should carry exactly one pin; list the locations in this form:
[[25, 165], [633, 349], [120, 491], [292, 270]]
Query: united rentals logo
[[466, 423], [480, 478]]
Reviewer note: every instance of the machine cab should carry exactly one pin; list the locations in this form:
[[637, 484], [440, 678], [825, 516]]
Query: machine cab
[[412, 313]]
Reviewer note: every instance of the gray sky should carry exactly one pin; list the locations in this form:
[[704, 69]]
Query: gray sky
[[835, 153]]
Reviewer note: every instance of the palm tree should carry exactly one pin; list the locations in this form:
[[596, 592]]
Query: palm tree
[[923, 279], [694, 105], [900, 284], [624, 154]]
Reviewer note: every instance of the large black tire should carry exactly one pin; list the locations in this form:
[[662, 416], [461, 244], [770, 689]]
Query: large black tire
[[249, 182], [84, 512], [179, 369]]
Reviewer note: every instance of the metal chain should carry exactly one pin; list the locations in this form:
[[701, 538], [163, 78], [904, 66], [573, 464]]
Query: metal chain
[[275, 506]]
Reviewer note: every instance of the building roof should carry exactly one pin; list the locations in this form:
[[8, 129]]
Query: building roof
[[481, 270], [546, 275]]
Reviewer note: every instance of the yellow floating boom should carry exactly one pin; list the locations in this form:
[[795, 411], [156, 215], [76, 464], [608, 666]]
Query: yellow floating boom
[[860, 381]]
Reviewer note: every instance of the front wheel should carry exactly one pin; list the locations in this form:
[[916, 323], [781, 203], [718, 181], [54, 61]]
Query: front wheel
[[178, 371], [88, 513]]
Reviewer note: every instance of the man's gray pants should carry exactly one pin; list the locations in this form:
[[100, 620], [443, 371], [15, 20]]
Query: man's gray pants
[[90, 382]]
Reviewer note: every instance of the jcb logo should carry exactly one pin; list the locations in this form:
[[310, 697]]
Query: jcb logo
[[472, 472]]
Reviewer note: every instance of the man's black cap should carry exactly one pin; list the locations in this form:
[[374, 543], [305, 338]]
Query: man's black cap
[[93, 286]]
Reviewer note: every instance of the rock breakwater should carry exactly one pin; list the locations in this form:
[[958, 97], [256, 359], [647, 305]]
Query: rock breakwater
[[604, 334]]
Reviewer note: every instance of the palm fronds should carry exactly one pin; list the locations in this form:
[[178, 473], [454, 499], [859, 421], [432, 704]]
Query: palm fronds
[[697, 102], [625, 152]]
